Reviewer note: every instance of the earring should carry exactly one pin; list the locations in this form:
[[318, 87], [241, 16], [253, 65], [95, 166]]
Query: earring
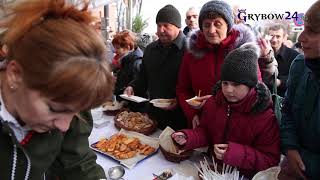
[[12, 87]]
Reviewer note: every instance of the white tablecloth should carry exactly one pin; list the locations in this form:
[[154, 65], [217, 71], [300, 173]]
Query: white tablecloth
[[143, 170]]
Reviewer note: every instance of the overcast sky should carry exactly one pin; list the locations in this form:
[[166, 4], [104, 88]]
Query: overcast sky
[[151, 7]]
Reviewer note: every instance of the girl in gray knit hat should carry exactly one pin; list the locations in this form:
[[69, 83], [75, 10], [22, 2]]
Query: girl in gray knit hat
[[206, 50], [238, 122]]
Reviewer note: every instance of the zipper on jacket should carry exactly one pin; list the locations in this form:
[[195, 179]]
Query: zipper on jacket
[[16, 146], [28, 170], [227, 128]]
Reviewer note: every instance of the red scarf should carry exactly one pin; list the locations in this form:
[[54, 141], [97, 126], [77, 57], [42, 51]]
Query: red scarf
[[27, 138]]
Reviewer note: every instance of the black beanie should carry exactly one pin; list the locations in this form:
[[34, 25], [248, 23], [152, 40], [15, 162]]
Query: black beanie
[[241, 65], [169, 14], [219, 7]]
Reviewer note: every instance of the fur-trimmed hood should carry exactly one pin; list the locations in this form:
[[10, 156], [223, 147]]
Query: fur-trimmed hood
[[257, 100], [197, 45]]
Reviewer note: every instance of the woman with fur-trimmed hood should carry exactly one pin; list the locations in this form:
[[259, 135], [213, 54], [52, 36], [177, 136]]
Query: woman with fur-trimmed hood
[[238, 122], [206, 50]]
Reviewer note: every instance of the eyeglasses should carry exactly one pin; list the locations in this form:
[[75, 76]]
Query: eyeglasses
[[192, 16]]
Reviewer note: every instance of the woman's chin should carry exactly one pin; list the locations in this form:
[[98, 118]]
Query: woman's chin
[[41, 129]]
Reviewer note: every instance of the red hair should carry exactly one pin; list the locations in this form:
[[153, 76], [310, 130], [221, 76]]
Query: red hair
[[59, 52], [124, 39]]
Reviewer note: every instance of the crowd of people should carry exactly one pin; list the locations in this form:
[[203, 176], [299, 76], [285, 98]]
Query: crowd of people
[[54, 69]]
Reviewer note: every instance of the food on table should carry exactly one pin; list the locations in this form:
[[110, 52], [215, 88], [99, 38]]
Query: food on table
[[134, 120], [123, 147]]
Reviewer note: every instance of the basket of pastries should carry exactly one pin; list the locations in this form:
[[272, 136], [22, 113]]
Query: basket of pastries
[[135, 121], [169, 150]]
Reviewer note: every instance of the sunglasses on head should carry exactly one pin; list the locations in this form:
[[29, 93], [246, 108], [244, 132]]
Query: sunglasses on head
[[194, 16]]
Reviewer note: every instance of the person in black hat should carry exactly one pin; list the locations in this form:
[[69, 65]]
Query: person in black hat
[[160, 67], [238, 120], [206, 50], [168, 24]]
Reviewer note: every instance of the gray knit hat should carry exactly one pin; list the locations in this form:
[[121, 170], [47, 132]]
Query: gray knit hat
[[218, 7], [169, 14], [241, 65]]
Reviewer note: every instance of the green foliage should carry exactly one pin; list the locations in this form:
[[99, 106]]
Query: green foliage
[[139, 24]]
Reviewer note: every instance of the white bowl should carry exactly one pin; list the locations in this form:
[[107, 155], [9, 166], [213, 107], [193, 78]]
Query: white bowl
[[162, 103]]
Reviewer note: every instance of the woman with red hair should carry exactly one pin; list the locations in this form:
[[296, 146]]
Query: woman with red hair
[[126, 63]]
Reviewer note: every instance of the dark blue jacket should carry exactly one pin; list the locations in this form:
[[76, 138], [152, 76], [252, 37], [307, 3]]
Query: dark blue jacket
[[300, 123], [130, 67]]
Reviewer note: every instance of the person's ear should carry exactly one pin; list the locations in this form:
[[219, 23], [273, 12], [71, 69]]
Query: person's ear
[[5, 49], [285, 37], [186, 21], [14, 74]]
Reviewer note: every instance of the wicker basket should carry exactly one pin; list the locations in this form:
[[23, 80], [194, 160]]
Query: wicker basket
[[176, 157], [145, 131]]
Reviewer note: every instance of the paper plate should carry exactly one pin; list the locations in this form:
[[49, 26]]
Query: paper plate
[[136, 99], [162, 103], [193, 102]]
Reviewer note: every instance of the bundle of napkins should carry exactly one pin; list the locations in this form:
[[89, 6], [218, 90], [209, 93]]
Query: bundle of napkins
[[167, 143]]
